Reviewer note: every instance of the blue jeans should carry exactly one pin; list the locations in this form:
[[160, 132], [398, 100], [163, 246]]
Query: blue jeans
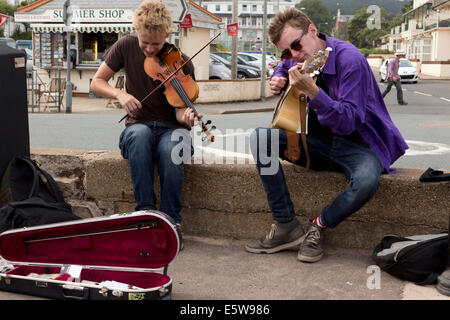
[[145, 144], [359, 164]]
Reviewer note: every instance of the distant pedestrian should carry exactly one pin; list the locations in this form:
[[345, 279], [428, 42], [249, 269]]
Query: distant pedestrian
[[393, 78]]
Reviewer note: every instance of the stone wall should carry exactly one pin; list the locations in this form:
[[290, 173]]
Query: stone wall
[[229, 200]]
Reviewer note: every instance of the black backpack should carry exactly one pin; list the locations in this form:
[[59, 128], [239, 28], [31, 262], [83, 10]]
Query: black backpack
[[26, 200], [420, 259]]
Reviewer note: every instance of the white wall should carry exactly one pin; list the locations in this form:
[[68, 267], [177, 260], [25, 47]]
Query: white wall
[[418, 3], [440, 45], [192, 40]]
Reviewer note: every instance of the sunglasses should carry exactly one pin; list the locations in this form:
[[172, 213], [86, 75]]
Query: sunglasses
[[295, 45]]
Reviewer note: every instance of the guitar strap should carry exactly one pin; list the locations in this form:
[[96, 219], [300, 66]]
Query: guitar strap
[[302, 102], [293, 150]]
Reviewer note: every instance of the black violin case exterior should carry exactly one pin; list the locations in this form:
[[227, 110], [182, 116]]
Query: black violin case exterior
[[117, 257]]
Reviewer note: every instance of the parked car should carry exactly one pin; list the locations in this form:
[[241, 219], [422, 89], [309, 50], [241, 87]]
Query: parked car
[[254, 59], [217, 70], [243, 71], [269, 56], [406, 71], [227, 56], [24, 44], [9, 42]]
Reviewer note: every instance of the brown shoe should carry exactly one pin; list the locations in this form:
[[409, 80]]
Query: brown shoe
[[311, 249], [278, 239]]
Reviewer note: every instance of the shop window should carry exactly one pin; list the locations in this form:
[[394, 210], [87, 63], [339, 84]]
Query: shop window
[[93, 46]]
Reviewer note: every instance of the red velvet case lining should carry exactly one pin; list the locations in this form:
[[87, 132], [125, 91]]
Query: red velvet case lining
[[145, 248], [144, 280]]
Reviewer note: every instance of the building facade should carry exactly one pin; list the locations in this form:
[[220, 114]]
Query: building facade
[[250, 15], [425, 32]]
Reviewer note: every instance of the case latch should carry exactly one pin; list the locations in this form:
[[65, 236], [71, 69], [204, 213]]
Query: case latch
[[163, 291], [7, 280], [104, 291]]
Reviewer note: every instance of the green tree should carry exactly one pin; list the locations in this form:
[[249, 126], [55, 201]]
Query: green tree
[[359, 33], [318, 13], [398, 19], [6, 8]]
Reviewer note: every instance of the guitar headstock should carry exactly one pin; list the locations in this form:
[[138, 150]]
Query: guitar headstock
[[315, 64]]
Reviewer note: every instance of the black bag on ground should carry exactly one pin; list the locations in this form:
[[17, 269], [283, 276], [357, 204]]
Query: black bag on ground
[[26, 200], [420, 259]]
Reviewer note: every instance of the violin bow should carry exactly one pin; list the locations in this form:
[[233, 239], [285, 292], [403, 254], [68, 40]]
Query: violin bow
[[173, 73]]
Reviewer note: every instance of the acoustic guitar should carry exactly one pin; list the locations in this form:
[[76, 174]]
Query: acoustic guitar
[[291, 109], [287, 113]]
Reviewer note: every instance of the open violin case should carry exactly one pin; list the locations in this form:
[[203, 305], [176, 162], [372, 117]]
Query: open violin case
[[117, 257]]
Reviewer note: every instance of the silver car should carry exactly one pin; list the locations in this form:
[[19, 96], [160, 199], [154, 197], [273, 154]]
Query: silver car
[[8, 42], [217, 70]]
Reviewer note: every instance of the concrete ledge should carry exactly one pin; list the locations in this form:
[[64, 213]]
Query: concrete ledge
[[229, 200], [212, 91]]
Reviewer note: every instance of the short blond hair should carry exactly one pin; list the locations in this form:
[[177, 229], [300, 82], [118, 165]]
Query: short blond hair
[[293, 17], [153, 17]]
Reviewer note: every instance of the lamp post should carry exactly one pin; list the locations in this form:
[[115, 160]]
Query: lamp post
[[263, 54], [67, 17]]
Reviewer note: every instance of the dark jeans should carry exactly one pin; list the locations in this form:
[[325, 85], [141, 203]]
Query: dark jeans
[[143, 144], [359, 164], [398, 86]]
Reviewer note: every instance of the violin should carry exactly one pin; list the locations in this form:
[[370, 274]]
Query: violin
[[181, 89], [161, 66]]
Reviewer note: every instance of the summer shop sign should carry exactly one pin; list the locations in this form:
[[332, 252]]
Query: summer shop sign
[[3, 19], [79, 15], [232, 29]]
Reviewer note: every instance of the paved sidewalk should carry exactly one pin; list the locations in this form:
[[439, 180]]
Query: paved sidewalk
[[221, 269]]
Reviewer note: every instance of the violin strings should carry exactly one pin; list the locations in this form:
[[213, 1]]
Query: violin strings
[[179, 89]]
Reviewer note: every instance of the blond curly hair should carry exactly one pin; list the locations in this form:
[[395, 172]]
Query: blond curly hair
[[153, 17]]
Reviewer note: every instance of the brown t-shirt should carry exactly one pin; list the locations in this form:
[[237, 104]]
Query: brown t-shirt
[[127, 54]]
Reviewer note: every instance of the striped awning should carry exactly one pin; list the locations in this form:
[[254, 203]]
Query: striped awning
[[94, 27]]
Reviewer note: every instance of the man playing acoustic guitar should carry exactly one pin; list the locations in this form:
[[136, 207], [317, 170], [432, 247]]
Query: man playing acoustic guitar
[[146, 138], [349, 130]]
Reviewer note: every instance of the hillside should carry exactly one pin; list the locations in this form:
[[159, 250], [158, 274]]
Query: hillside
[[393, 7]]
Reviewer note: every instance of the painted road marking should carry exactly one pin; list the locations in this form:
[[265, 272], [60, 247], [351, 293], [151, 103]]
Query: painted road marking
[[424, 94], [445, 99], [434, 124], [422, 148], [416, 148]]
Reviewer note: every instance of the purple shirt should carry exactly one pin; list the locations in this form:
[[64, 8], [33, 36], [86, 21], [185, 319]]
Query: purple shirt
[[354, 101]]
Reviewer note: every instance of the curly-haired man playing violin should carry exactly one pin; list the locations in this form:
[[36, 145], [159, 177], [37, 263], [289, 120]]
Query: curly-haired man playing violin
[[349, 130], [146, 140]]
